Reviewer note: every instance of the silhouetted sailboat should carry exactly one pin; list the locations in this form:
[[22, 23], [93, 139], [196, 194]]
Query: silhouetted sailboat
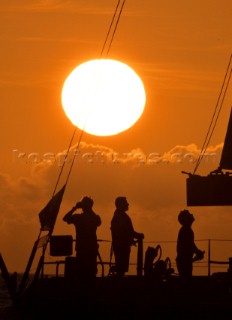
[[215, 189]]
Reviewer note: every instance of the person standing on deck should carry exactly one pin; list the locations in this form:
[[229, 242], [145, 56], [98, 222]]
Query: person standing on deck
[[186, 247], [86, 224], [123, 235]]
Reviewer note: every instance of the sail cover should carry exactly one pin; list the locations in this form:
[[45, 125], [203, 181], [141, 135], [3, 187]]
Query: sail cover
[[226, 157]]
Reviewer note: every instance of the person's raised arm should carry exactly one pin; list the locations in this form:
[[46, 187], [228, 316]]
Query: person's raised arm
[[67, 217]]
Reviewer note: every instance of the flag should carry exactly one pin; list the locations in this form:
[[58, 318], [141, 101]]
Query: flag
[[48, 214]]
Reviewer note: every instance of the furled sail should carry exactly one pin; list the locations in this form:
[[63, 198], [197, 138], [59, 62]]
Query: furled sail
[[226, 157]]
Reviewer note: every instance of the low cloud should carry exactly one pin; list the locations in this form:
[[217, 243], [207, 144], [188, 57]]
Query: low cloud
[[104, 172]]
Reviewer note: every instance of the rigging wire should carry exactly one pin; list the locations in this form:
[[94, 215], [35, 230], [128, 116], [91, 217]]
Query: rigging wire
[[74, 157], [109, 30], [216, 113], [119, 16], [65, 159], [120, 9]]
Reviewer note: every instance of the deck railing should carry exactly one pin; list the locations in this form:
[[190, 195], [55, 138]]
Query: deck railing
[[218, 254], [218, 257]]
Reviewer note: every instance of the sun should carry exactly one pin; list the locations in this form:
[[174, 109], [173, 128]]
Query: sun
[[103, 97]]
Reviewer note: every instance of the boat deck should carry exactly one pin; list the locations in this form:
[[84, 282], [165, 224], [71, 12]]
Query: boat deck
[[132, 296]]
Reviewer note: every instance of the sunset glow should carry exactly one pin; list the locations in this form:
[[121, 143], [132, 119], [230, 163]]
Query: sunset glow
[[103, 97], [180, 51]]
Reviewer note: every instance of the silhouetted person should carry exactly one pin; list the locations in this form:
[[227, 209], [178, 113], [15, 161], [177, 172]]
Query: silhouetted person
[[86, 224], [123, 235], [186, 247]]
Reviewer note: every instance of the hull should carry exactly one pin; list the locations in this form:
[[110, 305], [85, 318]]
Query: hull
[[130, 297]]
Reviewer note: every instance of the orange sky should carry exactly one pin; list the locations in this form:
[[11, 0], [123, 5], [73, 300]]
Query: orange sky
[[180, 50]]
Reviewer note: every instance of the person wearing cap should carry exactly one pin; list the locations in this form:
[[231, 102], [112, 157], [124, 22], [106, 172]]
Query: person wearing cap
[[123, 235], [86, 224], [186, 247]]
